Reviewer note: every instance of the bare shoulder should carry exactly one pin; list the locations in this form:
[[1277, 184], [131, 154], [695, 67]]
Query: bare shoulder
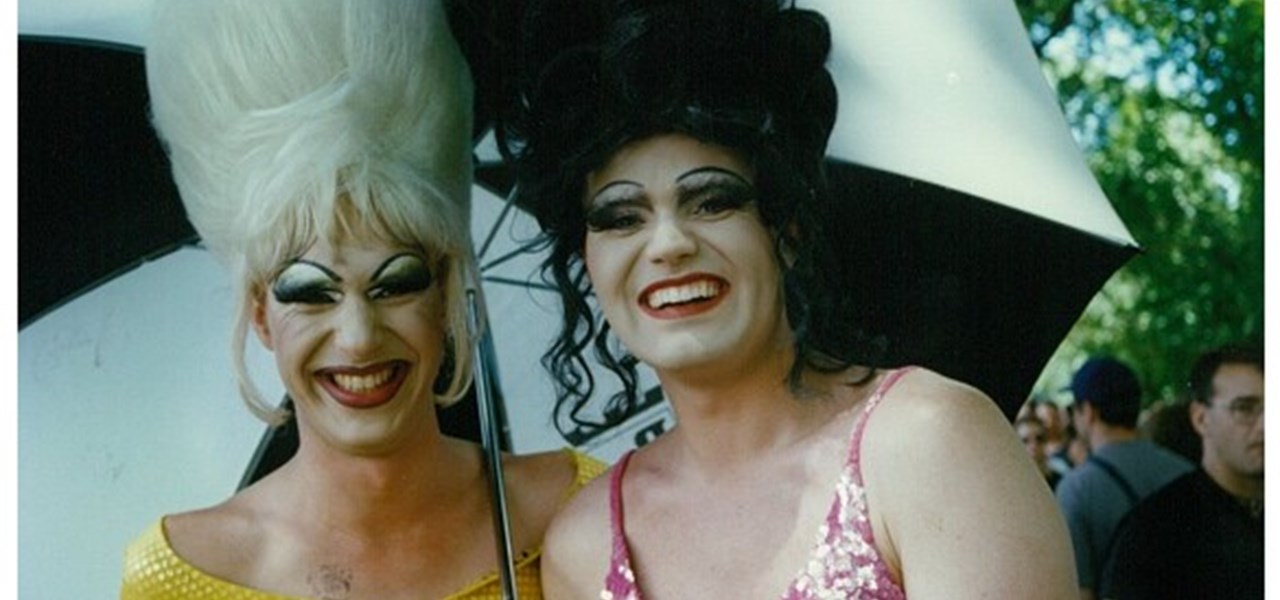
[[939, 412], [543, 473], [578, 544], [929, 429], [944, 474], [223, 540], [548, 479]]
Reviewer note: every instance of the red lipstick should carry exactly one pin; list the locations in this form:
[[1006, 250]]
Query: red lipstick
[[364, 387]]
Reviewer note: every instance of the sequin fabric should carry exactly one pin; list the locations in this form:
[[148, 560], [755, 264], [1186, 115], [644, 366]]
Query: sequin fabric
[[153, 571], [844, 563]]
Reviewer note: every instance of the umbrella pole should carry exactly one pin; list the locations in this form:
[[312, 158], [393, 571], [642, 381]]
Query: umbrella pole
[[492, 451]]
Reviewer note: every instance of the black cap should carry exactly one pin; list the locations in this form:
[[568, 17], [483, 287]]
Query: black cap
[[1106, 382]]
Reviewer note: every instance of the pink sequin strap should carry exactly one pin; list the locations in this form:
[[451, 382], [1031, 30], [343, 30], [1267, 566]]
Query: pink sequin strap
[[844, 562], [855, 442], [620, 581]]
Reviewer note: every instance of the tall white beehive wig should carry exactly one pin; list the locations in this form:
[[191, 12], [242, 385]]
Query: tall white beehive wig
[[288, 121]]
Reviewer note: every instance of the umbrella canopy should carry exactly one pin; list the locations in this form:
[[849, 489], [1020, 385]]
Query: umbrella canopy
[[976, 232]]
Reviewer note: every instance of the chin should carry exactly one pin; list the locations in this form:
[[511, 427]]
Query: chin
[[684, 358]]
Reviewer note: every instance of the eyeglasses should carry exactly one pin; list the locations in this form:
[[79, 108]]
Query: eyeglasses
[[1245, 411]]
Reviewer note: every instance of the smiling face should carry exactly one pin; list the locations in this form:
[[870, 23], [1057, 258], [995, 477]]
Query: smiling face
[[679, 259], [357, 330]]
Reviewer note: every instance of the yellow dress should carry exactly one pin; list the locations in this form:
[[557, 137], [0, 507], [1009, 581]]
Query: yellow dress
[[152, 570]]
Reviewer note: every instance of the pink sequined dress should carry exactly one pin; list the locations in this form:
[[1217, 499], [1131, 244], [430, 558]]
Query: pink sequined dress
[[843, 564]]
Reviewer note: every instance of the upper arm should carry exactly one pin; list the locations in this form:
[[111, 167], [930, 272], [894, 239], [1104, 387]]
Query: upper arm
[[576, 550], [966, 513]]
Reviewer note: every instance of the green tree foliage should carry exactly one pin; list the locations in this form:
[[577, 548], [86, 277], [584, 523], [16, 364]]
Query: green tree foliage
[[1166, 98]]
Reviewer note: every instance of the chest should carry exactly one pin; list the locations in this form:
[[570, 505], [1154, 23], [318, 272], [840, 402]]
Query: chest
[[740, 540], [419, 562]]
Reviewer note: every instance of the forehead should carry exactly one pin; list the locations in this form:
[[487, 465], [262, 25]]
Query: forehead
[[1029, 426], [1233, 380], [347, 250], [660, 160]]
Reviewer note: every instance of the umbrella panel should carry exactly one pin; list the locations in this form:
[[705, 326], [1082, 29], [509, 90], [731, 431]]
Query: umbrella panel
[[974, 290], [95, 194]]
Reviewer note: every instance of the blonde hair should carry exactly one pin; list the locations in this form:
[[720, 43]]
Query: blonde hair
[[288, 121]]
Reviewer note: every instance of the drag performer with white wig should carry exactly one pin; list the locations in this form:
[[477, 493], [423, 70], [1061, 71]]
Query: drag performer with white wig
[[323, 152]]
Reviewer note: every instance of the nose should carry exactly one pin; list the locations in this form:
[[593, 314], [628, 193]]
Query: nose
[[671, 242], [357, 328]]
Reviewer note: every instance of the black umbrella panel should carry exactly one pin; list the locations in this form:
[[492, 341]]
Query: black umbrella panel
[[969, 288]]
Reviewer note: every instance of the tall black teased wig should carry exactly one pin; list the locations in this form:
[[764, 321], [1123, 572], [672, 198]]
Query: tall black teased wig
[[592, 76]]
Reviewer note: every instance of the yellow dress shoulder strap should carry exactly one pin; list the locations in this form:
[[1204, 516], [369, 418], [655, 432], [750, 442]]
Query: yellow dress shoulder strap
[[152, 571]]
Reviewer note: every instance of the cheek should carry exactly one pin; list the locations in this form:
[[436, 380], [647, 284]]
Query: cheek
[[603, 265], [290, 328], [420, 322]]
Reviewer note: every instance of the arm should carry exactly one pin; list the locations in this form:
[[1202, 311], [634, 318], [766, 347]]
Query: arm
[[576, 550], [959, 506]]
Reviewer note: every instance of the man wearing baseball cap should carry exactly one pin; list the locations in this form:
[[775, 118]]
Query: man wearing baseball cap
[[1121, 469]]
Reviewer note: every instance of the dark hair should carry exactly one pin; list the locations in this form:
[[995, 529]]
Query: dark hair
[[1169, 425], [744, 74], [1200, 382]]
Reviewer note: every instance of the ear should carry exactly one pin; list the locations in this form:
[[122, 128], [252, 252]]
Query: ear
[[259, 318], [1197, 413], [1085, 415]]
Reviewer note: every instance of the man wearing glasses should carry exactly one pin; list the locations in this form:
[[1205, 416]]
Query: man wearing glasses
[[1202, 535]]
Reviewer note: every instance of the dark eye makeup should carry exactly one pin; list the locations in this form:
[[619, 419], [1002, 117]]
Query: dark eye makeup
[[305, 282], [617, 206], [712, 191], [401, 274], [706, 192]]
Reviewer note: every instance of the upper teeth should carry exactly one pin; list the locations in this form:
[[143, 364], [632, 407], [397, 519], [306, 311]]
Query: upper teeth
[[362, 383], [683, 293]]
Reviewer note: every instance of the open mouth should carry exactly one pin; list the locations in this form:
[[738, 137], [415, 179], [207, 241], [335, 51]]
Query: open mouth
[[364, 387], [683, 297]]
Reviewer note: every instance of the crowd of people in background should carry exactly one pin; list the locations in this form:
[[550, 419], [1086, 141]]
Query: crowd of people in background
[[1163, 499]]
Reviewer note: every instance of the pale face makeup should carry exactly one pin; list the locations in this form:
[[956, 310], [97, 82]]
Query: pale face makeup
[[357, 330], [679, 258]]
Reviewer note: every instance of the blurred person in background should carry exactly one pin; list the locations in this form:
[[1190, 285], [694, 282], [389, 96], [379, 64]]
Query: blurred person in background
[[1202, 535], [1121, 469]]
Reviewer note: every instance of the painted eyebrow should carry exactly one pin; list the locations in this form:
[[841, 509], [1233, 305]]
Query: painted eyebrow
[[377, 274], [600, 195], [713, 170], [707, 170]]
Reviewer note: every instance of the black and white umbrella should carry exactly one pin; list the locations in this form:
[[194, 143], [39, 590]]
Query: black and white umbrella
[[977, 236]]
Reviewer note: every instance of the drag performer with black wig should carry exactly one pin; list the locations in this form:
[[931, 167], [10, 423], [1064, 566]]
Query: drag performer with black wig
[[672, 153]]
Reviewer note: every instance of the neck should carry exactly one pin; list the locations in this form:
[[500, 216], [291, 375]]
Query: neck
[[1103, 434], [380, 494], [740, 419], [1244, 487]]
